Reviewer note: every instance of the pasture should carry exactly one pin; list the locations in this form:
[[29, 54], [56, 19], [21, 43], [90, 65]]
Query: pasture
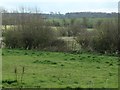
[[43, 69]]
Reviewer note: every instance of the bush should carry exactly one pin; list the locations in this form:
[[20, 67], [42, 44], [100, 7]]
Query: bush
[[29, 32], [85, 40], [104, 39], [107, 37], [58, 45]]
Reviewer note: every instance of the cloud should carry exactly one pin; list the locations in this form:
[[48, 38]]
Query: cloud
[[64, 5], [58, 1]]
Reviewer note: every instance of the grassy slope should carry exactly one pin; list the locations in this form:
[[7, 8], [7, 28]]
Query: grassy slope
[[60, 70]]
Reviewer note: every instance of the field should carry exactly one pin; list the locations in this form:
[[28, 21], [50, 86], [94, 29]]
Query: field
[[91, 21], [43, 69]]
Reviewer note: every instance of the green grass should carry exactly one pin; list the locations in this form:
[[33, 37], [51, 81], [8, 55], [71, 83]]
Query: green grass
[[59, 70]]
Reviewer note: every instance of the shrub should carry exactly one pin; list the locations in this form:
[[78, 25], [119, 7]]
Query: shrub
[[58, 45], [29, 32], [107, 37]]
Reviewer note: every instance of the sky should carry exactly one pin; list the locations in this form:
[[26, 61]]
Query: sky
[[63, 6]]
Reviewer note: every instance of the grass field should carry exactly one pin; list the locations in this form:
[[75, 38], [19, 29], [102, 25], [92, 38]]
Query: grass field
[[90, 20], [59, 70]]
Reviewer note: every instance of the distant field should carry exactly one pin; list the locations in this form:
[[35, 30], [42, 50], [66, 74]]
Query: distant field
[[90, 20], [59, 70], [8, 27]]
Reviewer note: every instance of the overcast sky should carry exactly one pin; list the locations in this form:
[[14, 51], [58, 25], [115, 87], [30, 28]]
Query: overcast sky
[[63, 6]]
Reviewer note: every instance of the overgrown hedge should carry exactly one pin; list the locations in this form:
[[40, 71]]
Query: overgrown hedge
[[104, 39]]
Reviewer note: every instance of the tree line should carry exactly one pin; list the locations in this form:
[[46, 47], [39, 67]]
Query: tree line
[[71, 15], [32, 31]]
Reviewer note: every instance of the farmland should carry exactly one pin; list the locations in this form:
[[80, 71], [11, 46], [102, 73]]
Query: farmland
[[59, 52], [44, 69]]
